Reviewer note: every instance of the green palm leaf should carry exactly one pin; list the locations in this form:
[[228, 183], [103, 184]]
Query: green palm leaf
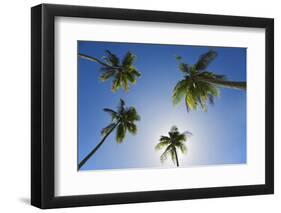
[[111, 58], [128, 59], [205, 60]]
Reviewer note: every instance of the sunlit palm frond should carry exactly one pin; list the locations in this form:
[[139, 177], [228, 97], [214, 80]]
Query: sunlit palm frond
[[190, 101], [180, 91], [124, 82], [116, 83]]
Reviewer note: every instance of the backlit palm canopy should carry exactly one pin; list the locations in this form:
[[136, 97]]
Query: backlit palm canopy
[[123, 120], [122, 73], [175, 141], [199, 85]]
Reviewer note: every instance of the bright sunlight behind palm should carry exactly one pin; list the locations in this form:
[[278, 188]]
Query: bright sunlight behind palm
[[123, 120], [171, 143], [199, 85], [122, 72]]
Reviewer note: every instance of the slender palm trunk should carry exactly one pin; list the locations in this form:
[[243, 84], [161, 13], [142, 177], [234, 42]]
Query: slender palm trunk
[[177, 160], [90, 58], [96, 148], [228, 84]]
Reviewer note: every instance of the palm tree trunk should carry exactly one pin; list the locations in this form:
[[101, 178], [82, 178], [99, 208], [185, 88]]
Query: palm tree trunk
[[177, 160], [90, 58], [96, 148], [228, 84]]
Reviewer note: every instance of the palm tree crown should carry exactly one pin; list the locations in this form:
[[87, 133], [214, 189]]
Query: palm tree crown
[[171, 143], [122, 72], [123, 119], [200, 86]]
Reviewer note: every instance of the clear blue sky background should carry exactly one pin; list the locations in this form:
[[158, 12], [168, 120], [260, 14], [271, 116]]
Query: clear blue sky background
[[219, 135]]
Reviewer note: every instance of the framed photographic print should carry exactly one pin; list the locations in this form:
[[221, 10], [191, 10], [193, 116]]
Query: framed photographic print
[[139, 106]]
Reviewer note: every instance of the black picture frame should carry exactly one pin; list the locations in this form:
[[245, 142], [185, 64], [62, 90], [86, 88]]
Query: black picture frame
[[43, 101]]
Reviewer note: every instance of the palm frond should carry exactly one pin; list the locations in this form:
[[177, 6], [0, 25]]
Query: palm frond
[[107, 74], [111, 58], [131, 77], [114, 115], [211, 99], [183, 148], [135, 72], [128, 59], [180, 91], [132, 128], [190, 102], [166, 153], [162, 144], [125, 83], [121, 107], [164, 139], [116, 83], [131, 114], [184, 68], [107, 129], [180, 138], [178, 58], [187, 133], [120, 133], [205, 60]]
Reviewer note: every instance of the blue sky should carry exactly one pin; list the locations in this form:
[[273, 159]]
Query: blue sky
[[219, 135]]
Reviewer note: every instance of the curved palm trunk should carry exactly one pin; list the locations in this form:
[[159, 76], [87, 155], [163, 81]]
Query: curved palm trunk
[[177, 160], [96, 148], [90, 58], [228, 84]]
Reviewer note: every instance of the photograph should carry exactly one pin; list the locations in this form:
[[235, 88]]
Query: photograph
[[148, 106], [170, 104]]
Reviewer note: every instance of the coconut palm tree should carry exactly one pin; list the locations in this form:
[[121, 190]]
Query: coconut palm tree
[[199, 85], [175, 141], [123, 120], [122, 72]]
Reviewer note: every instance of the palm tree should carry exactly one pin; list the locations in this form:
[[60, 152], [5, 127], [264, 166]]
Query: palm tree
[[123, 120], [200, 85], [122, 73], [171, 143]]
